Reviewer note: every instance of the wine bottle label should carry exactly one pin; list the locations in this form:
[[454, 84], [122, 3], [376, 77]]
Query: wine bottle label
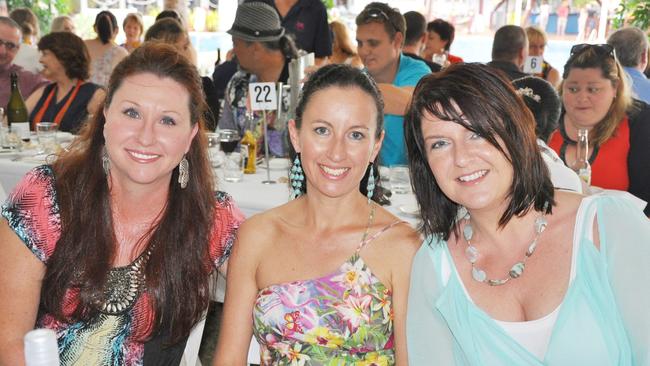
[[21, 129]]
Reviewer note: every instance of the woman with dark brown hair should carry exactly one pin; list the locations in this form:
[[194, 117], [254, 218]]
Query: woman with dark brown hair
[[112, 245], [105, 54], [513, 272], [69, 98]]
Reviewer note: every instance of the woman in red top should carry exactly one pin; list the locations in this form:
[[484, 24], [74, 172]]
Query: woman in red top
[[595, 96], [440, 36]]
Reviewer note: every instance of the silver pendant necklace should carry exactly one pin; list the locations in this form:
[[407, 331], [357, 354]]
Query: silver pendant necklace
[[472, 253]]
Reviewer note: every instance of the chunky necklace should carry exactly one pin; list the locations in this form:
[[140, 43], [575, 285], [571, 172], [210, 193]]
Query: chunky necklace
[[472, 253], [123, 286]]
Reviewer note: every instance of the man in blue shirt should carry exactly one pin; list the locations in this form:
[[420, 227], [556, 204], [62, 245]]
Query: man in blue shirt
[[631, 46], [380, 38]]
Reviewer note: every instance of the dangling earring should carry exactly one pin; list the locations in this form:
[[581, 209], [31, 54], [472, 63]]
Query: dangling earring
[[296, 177], [106, 164], [371, 183], [183, 172]]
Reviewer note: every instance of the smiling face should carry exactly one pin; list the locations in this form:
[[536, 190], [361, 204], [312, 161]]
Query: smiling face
[[52, 67], [468, 169], [147, 130], [587, 96], [336, 147], [380, 54], [132, 31]]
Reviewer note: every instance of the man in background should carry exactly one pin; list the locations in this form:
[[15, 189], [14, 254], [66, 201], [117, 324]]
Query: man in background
[[509, 51], [416, 35], [10, 36], [380, 37], [631, 46]]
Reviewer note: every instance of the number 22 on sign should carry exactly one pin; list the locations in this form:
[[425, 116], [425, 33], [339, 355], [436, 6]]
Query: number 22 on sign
[[263, 96]]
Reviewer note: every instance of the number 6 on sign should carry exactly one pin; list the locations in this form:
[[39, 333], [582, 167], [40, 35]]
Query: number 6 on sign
[[263, 96], [534, 64]]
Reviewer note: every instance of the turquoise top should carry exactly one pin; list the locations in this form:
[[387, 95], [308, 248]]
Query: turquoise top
[[604, 318], [393, 150]]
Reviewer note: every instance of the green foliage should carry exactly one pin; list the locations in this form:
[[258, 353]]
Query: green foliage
[[329, 4], [634, 13], [45, 10]]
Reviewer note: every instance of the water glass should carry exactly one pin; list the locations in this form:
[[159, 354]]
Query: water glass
[[400, 181], [233, 167], [46, 135], [213, 149], [229, 139], [9, 139]]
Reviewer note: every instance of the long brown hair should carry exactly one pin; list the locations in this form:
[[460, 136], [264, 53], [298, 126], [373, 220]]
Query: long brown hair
[[342, 38], [177, 271]]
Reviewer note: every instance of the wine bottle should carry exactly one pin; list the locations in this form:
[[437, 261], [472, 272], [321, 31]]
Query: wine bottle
[[41, 348], [17, 117], [582, 166]]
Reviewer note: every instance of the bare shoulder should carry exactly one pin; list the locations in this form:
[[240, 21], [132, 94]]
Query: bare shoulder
[[401, 239], [262, 228], [566, 208]]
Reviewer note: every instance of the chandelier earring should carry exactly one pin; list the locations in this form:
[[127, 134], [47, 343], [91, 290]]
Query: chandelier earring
[[106, 164], [183, 172], [296, 177]]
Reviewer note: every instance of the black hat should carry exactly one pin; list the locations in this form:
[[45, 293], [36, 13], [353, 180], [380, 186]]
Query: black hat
[[256, 21]]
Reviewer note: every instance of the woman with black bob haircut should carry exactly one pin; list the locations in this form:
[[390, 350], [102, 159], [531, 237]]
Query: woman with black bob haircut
[[69, 99], [112, 245], [513, 272], [345, 289]]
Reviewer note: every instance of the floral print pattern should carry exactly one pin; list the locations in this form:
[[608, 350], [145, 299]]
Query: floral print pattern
[[344, 318]]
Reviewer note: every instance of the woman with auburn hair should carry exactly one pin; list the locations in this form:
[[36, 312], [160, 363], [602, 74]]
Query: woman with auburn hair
[[69, 98], [112, 245], [596, 97], [105, 54], [342, 50], [513, 272]]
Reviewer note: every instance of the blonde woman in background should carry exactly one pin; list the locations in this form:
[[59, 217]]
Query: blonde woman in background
[[63, 23], [133, 29], [537, 41], [343, 52]]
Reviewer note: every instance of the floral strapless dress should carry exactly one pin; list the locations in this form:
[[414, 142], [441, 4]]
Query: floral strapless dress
[[344, 318]]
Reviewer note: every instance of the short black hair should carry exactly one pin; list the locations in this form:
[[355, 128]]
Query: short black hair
[[416, 27], [444, 29], [475, 97], [508, 41], [543, 100], [168, 14]]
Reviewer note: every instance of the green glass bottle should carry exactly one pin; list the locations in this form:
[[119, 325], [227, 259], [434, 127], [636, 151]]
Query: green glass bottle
[[17, 116]]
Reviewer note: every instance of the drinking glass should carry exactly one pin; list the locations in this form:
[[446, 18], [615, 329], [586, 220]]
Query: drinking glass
[[214, 152], [229, 139], [9, 139], [233, 167], [46, 136], [400, 181]]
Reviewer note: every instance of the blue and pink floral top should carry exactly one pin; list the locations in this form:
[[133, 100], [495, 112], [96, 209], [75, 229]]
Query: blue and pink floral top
[[339, 319]]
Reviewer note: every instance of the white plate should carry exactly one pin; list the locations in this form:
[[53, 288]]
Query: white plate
[[410, 210], [276, 164]]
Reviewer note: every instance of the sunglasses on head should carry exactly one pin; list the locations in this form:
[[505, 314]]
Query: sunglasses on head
[[10, 46], [600, 49], [379, 14]]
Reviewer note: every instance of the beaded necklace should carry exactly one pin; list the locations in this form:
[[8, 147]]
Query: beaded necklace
[[472, 253]]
